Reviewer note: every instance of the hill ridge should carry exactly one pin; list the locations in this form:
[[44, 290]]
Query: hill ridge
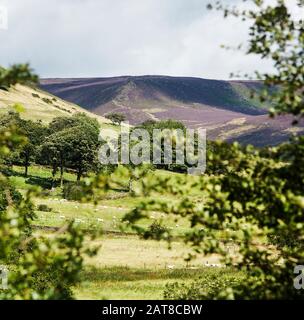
[[199, 103]]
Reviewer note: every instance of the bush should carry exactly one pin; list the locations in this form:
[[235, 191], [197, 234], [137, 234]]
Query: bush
[[156, 231], [44, 208], [73, 191], [44, 281], [116, 118], [15, 195], [47, 100], [210, 286]]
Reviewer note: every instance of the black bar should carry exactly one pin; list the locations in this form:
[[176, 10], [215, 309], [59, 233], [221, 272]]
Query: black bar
[[91, 310]]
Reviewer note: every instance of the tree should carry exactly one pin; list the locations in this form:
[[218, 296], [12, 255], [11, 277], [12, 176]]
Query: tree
[[20, 73], [73, 144], [116, 118], [54, 151], [61, 123], [35, 132], [164, 125]]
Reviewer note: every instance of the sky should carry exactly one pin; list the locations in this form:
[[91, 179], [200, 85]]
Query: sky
[[100, 38]]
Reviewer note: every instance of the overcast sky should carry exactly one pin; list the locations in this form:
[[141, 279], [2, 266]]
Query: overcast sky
[[89, 38]]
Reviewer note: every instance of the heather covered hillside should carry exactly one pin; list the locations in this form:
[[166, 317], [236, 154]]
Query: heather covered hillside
[[225, 108], [147, 92]]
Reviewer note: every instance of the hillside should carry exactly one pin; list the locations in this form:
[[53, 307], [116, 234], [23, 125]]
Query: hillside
[[225, 108], [39, 105]]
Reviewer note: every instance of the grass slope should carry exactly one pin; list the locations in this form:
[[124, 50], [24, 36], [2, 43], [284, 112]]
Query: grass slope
[[39, 105]]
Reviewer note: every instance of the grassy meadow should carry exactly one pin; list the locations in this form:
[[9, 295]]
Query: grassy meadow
[[126, 266]]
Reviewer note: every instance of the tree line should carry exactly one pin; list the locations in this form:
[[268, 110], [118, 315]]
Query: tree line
[[69, 142]]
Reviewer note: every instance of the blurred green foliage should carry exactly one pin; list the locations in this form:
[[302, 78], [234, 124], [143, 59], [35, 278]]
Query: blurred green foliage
[[39, 267]]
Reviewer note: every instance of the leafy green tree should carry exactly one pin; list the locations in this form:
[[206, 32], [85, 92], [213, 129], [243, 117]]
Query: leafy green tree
[[78, 119], [35, 132], [73, 144], [54, 151], [84, 150], [20, 73], [116, 118]]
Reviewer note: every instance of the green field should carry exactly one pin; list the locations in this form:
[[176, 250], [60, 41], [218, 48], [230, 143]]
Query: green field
[[126, 266], [120, 283]]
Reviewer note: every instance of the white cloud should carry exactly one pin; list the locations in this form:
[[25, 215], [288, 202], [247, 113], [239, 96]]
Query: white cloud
[[77, 38]]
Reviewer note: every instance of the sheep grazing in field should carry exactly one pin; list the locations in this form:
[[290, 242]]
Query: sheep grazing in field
[[212, 265], [215, 265], [170, 267]]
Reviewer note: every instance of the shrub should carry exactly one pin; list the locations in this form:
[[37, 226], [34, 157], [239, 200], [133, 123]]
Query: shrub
[[73, 191], [156, 231], [15, 195], [116, 118], [44, 281], [44, 208], [209, 286], [47, 100]]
